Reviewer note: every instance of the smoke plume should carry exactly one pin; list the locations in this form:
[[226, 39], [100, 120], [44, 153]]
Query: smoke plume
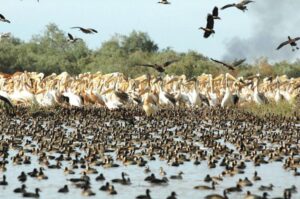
[[274, 21]]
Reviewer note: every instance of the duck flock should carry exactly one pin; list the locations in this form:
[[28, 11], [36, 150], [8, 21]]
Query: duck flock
[[112, 136]]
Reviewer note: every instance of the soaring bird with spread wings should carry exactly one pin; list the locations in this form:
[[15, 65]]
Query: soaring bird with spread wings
[[290, 41], [241, 6], [230, 66], [86, 30], [159, 67]]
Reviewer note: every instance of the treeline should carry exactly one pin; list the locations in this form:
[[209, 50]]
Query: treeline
[[51, 53]]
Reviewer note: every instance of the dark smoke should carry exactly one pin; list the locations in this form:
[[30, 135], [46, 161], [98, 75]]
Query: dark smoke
[[274, 21]]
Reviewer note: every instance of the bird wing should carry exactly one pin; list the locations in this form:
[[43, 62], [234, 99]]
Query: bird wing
[[297, 38], [91, 29], [207, 34], [167, 63], [215, 11], [224, 64], [147, 65], [228, 6], [77, 27], [210, 22], [282, 44], [238, 62], [70, 36], [245, 2], [2, 17]]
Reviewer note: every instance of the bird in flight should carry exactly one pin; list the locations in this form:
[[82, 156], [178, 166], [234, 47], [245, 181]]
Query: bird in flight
[[241, 6], [209, 29], [3, 19], [164, 2], [290, 41], [215, 13], [230, 66], [72, 39], [86, 30], [159, 67]]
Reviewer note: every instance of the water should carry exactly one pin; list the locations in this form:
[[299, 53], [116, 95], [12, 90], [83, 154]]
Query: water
[[193, 176]]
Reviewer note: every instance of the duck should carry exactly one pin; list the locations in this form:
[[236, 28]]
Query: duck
[[204, 187], [164, 2], [123, 180], [64, 189], [217, 196], [112, 190], [237, 188], [208, 30], [100, 177], [3, 182], [22, 177], [147, 196], [253, 196], [32, 195], [21, 189], [266, 188], [105, 187], [256, 177], [172, 196], [290, 41], [178, 177], [87, 192]]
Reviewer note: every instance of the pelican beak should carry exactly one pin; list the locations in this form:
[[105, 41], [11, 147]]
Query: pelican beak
[[229, 76], [220, 77]]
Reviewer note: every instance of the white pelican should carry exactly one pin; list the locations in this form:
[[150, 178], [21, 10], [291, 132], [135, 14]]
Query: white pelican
[[259, 98], [228, 98]]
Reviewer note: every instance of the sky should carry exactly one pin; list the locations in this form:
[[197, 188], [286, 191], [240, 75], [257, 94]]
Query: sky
[[174, 25]]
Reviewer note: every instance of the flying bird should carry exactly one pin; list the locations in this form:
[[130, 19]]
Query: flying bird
[[3, 19], [241, 6], [215, 13], [209, 26], [290, 41], [72, 39], [160, 67], [164, 2], [230, 66], [86, 30]]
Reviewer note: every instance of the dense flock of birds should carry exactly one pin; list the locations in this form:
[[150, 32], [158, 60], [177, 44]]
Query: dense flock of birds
[[86, 146], [104, 121], [115, 90]]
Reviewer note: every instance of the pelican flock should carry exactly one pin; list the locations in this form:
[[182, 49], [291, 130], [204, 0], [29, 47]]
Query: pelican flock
[[151, 93]]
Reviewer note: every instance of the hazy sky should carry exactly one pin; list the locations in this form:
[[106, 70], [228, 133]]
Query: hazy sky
[[174, 25]]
